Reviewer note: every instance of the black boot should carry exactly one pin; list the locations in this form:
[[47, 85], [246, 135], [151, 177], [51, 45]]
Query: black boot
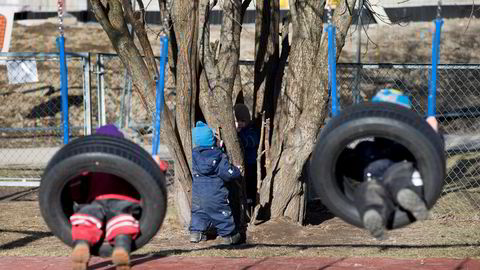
[[406, 186], [121, 252], [374, 206], [232, 239]]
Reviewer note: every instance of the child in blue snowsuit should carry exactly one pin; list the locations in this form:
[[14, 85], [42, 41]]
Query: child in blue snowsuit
[[210, 205]]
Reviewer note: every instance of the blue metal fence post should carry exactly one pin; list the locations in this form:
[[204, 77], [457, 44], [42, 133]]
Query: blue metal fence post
[[332, 68], [432, 91], [159, 99], [63, 87]]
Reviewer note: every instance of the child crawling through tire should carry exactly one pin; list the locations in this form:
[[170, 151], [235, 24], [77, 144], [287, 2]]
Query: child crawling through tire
[[110, 213], [389, 176]]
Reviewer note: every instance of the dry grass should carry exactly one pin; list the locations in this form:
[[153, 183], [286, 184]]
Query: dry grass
[[23, 233]]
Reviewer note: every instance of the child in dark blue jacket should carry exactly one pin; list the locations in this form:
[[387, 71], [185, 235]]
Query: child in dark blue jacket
[[250, 140], [389, 176], [210, 205]]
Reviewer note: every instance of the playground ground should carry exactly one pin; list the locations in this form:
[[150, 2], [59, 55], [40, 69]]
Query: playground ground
[[329, 243]]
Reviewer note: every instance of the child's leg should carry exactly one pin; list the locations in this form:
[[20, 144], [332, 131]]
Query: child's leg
[[122, 228], [199, 219], [406, 187], [221, 215], [374, 207], [86, 231]]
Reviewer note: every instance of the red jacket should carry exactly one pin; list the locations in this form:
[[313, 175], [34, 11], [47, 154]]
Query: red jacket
[[92, 186]]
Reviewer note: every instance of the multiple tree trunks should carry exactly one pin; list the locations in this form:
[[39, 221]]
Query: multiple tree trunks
[[207, 83]]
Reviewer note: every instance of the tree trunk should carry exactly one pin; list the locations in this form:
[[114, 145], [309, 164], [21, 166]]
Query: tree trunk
[[185, 14], [220, 68], [266, 55], [112, 18], [302, 107]]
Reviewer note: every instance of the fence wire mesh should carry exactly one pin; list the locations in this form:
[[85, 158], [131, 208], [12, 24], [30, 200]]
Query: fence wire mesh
[[123, 105], [30, 116], [30, 111], [458, 111]]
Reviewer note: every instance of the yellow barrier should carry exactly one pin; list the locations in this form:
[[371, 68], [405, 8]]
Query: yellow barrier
[[333, 3]]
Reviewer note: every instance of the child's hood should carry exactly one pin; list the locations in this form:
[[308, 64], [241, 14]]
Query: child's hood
[[206, 159]]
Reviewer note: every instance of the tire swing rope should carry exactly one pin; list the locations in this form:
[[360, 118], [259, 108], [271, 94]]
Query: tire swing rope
[[332, 61], [160, 80], [60, 43], [432, 89], [98, 153], [369, 119]]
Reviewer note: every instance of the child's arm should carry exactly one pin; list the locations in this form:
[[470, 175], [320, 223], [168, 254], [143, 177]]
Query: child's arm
[[227, 171]]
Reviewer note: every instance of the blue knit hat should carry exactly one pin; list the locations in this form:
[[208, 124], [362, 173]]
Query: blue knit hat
[[394, 96], [202, 135], [109, 130]]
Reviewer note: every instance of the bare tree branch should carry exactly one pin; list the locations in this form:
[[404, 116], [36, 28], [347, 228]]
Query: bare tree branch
[[115, 16], [137, 21], [230, 39], [206, 55], [99, 11], [245, 5]]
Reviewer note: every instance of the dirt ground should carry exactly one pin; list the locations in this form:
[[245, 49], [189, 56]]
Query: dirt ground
[[24, 233]]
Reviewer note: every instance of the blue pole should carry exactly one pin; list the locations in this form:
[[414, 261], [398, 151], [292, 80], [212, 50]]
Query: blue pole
[[160, 84], [63, 87], [432, 91], [332, 68]]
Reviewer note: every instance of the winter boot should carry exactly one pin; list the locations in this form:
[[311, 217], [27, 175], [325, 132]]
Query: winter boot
[[232, 239], [121, 252], [374, 206], [80, 255], [196, 237], [406, 186]]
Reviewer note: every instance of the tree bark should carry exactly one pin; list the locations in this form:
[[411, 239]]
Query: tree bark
[[111, 17], [185, 14], [220, 69], [302, 107], [266, 55]]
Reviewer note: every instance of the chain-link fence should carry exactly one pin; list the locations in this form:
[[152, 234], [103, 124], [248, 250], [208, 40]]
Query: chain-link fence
[[30, 118], [458, 112], [30, 111], [122, 105]]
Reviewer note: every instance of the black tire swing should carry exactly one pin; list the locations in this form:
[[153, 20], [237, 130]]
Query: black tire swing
[[374, 120], [385, 120], [106, 154], [100, 153]]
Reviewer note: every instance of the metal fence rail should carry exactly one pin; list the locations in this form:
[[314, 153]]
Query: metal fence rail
[[121, 105], [30, 118], [458, 112]]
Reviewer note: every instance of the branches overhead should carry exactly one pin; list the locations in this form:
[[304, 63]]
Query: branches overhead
[[100, 12], [137, 20], [205, 52]]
